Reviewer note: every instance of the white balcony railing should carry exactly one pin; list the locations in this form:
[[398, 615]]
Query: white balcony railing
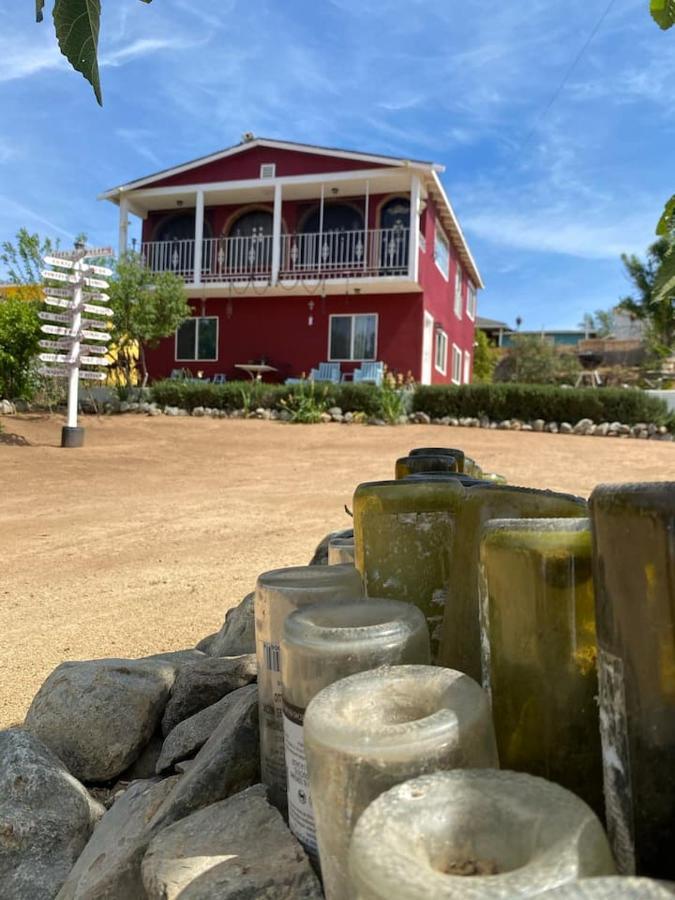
[[377, 252]]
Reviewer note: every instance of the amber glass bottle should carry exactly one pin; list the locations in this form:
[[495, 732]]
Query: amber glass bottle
[[634, 570]]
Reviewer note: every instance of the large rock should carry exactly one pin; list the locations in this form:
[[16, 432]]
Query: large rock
[[237, 636], [190, 735], [320, 557], [110, 865], [98, 715], [237, 849], [227, 763], [46, 818], [205, 682]]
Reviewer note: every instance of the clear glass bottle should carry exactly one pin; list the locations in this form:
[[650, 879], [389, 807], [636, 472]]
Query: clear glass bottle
[[403, 537], [341, 551], [439, 462], [370, 731], [474, 835], [322, 644], [460, 639], [539, 650], [615, 888], [634, 569], [278, 593]]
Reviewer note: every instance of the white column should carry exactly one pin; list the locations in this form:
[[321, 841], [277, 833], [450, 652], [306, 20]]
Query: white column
[[414, 245], [199, 237], [276, 234], [76, 325], [321, 224], [366, 231], [124, 225]]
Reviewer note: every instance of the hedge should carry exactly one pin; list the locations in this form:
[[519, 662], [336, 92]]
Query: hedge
[[554, 404], [233, 395]]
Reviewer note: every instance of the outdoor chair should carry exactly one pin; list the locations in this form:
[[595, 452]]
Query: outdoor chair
[[370, 372], [219, 378], [327, 371]]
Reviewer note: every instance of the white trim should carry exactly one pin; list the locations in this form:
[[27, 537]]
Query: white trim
[[124, 225], [438, 230], [352, 358], [471, 300], [199, 237], [195, 358], [459, 282], [268, 170], [454, 228], [427, 364], [443, 368], [276, 233], [414, 239], [456, 355], [466, 375]]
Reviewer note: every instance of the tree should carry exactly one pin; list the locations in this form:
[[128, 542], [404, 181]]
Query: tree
[[655, 301], [484, 358], [601, 322], [77, 24], [533, 360], [23, 262], [147, 306], [19, 335]]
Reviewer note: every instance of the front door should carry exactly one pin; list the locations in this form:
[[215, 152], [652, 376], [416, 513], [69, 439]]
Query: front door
[[427, 347]]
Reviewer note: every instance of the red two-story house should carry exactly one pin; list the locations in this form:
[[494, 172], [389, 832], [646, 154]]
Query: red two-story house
[[294, 254]]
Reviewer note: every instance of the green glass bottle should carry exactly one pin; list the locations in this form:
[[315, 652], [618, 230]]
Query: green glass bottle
[[441, 451], [460, 638], [634, 570], [539, 650], [403, 536], [439, 462]]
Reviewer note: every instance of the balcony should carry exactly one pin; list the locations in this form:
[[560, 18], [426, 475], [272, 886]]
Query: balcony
[[333, 257]]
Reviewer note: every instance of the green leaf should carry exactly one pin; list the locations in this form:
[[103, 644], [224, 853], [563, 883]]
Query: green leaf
[[664, 284], [39, 6], [77, 25], [663, 13], [667, 221]]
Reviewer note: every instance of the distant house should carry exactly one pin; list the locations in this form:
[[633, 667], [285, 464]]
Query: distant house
[[297, 254], [562, 338], [494, 330]]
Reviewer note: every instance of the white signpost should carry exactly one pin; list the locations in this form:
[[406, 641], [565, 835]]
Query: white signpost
[[76, 300]]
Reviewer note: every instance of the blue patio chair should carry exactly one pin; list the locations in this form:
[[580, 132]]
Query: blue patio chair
[[327, 371], [370, 372], [219, 378]]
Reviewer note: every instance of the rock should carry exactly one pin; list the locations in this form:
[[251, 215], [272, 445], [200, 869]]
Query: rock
[[228, 762], [154, 411], [46, 818], [348, 417], [538, 425], [335, 411], [110, 865], [236, 849], [484, 422], [602, 429], [184, 765], [566, 428], [505, 425], [624, 429], [7, 408], [205, 682], [198, 411], [320, 557], [402, 419], [237, 635], [453, 421], [168, 411], [421, 418], [182, 412], [206, 642], [516, 425], [583, 426], [325, 418], [375, 421], [526, 427], [552, 427], [284, 415], [146, 764], [191, 734], [98, 715]]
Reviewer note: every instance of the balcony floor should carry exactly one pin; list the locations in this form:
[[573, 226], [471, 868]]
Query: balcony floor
[[382, 284]]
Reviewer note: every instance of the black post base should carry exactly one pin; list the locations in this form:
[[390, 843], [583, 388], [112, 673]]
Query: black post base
[[72, 437]]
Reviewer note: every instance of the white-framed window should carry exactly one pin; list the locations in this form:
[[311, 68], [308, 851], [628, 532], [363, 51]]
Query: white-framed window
[[456, 365], [467, 367], [442, 252], [441, 352], [352, 337], [471, 300], [197, 339], [458, 291], [268, 170]]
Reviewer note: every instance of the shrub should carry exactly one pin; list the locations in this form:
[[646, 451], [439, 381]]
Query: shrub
[[19, 335], [306, 402], [533, 360], [527, 402]]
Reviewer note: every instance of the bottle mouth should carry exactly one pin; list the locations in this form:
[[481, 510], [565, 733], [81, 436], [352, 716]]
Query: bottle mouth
[[305, 579], [348, 624]]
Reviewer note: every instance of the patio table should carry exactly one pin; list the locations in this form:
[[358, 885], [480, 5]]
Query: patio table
[[255, 370]]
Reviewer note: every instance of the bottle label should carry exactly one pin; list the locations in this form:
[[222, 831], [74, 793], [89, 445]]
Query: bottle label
[[300, 814], [616, 760]]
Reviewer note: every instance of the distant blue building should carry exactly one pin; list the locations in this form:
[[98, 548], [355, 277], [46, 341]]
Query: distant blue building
[[558, 337]]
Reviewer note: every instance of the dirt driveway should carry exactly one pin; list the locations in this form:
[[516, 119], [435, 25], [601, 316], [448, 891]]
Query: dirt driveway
[[143, 539]]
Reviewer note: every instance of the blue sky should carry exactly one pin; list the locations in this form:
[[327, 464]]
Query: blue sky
[[550, 184]]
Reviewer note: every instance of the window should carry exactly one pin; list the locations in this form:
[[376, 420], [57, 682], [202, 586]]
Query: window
[[456, 365], [352, 337], [197, 338], [471, 301], [458, 291], [467, 367], [441, 357], [442, 253]]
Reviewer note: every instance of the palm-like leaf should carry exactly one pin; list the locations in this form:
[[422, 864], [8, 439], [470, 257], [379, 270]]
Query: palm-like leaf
[[666, 224], [663, 12]]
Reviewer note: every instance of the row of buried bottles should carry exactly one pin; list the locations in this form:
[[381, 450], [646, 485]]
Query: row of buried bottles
[[400, 774]]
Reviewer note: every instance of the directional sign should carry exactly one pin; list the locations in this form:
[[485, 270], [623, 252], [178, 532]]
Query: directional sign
[[56, 261], [63, 344], [95, 282], [59, 301], [87, 254], [60, 292], [99, 270], [54, 317], [95, 295], [94, 361], [61, 276], [94, 335], [56, 329], [54, 357], [50, 370], [92, 348], [95, 323], [97, 310], [93, 376], [63, 373], [87, 307]]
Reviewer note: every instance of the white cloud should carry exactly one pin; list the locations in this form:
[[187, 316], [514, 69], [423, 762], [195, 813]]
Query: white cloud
[[140, 48]]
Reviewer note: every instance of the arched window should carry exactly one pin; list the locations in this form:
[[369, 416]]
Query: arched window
[[249, 245], [336, 244], [395, 235], [173, 247]]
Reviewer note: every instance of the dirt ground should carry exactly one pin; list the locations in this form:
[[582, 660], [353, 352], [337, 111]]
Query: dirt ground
[[142, 540]]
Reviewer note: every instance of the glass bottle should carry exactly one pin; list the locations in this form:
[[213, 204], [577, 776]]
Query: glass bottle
[[341, 551], [537, 615], [370, 731], [634, 570], [439, 462], [441, 451], [460, 638], [277, 594], [403, 537], [322, 644], [474, 834], [616, 888]]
